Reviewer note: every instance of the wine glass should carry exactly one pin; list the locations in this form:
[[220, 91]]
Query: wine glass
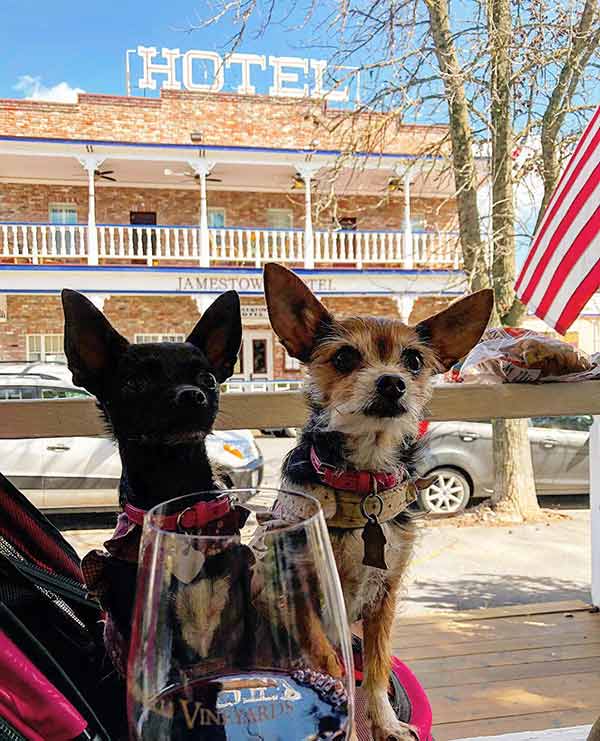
[[239, 636]]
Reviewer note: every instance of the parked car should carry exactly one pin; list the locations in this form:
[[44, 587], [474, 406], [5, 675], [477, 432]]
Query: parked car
[[76, 474], [459, 455]]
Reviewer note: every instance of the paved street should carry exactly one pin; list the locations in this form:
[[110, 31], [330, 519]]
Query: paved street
[[463, 568]]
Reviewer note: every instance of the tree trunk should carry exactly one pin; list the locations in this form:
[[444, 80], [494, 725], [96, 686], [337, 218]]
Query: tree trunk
[[514, 489], [461, 134]]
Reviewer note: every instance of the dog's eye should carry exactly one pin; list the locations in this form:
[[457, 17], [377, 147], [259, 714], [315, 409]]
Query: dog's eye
[[413, 360], [206, 380], [346, 359]]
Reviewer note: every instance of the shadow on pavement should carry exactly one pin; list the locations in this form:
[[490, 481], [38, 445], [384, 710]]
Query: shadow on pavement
[[486, 590]]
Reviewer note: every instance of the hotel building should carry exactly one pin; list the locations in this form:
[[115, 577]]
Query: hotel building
[[153, 206]]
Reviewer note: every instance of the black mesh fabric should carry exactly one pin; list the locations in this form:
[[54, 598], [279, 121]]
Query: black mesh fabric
[[45, 610], [33, 535]]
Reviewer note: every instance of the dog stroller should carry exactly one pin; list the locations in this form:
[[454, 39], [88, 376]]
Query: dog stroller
[[56, 681]]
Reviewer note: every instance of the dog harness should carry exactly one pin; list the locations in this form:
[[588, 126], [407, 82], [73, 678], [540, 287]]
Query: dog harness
[[356, 500]]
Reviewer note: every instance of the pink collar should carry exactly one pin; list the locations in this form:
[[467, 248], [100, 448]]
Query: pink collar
[[360, 482], [191, 518]]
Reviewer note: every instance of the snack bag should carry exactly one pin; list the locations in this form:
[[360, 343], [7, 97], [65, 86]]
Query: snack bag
[[513, 355]]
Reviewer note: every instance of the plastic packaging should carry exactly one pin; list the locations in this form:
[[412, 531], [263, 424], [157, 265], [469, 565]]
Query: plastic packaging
[[513, 355]]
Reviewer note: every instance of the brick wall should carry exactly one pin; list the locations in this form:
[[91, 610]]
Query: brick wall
[[426, 306], [20, 202], [28, 315], [131, 315], [343, 307], [224, 119]]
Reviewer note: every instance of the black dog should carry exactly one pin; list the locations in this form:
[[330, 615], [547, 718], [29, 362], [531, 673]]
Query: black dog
[[159, 401]]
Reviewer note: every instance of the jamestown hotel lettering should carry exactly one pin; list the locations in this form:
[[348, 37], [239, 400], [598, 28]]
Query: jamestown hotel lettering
[[243, 284]]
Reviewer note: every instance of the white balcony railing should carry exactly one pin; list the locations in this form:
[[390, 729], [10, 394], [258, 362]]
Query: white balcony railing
[[35, 243]]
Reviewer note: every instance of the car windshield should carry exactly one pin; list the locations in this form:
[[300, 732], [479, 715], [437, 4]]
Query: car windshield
[[62, 393]]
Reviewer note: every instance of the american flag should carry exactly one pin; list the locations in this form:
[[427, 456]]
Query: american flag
[[562, 270]]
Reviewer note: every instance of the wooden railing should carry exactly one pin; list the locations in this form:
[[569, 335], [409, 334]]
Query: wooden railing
[[469, 402], [80, 418], [250, 247]]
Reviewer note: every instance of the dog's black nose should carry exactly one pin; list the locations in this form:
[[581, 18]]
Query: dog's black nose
[[191, 395], [391, 387]]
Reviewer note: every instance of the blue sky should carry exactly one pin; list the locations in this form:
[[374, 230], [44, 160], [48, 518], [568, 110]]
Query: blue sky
[[51, 48], [45, 43]]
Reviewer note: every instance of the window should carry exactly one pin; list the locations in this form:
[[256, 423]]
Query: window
[[216, 218], [280, 218], [15, 393], [56, 393], [62, 214], [347, 223], [291, 363], [45, 348], [143, 219], [259, 356], [142, 339]]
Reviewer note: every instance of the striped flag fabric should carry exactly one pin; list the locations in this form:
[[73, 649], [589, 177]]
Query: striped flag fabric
[[562, 270]]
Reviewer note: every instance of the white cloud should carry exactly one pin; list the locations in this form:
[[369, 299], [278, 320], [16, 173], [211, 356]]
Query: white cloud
[[33, 89]]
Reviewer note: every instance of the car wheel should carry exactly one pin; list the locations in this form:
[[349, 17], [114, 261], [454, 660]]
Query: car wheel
[[448, 494]]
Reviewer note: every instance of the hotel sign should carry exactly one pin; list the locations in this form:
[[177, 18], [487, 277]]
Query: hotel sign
[[242, 283], [208, 72]]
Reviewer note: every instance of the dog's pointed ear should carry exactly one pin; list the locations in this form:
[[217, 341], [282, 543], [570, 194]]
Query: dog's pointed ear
[[296, 314], [218, 334], [92, 345], [456, 330]]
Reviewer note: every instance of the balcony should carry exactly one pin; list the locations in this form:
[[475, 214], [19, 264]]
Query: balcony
[[114, 244]]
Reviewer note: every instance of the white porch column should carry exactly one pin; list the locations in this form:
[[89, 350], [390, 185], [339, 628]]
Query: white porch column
[[594, 452], [307, 171], [99, 299], [405, 305], [204, 300], [202, 168], [90, 163], [409, 260]]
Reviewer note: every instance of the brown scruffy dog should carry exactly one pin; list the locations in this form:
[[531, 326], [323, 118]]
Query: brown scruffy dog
[[369, 380]]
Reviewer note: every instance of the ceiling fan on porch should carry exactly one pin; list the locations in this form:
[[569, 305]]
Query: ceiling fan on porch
[[105, 175], [190, 174]]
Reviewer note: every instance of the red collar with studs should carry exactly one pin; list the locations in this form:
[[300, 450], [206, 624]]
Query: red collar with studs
[[194, 518], [359, 482]]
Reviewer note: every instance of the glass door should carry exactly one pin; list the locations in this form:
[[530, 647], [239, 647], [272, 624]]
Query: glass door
[[255, 362]]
